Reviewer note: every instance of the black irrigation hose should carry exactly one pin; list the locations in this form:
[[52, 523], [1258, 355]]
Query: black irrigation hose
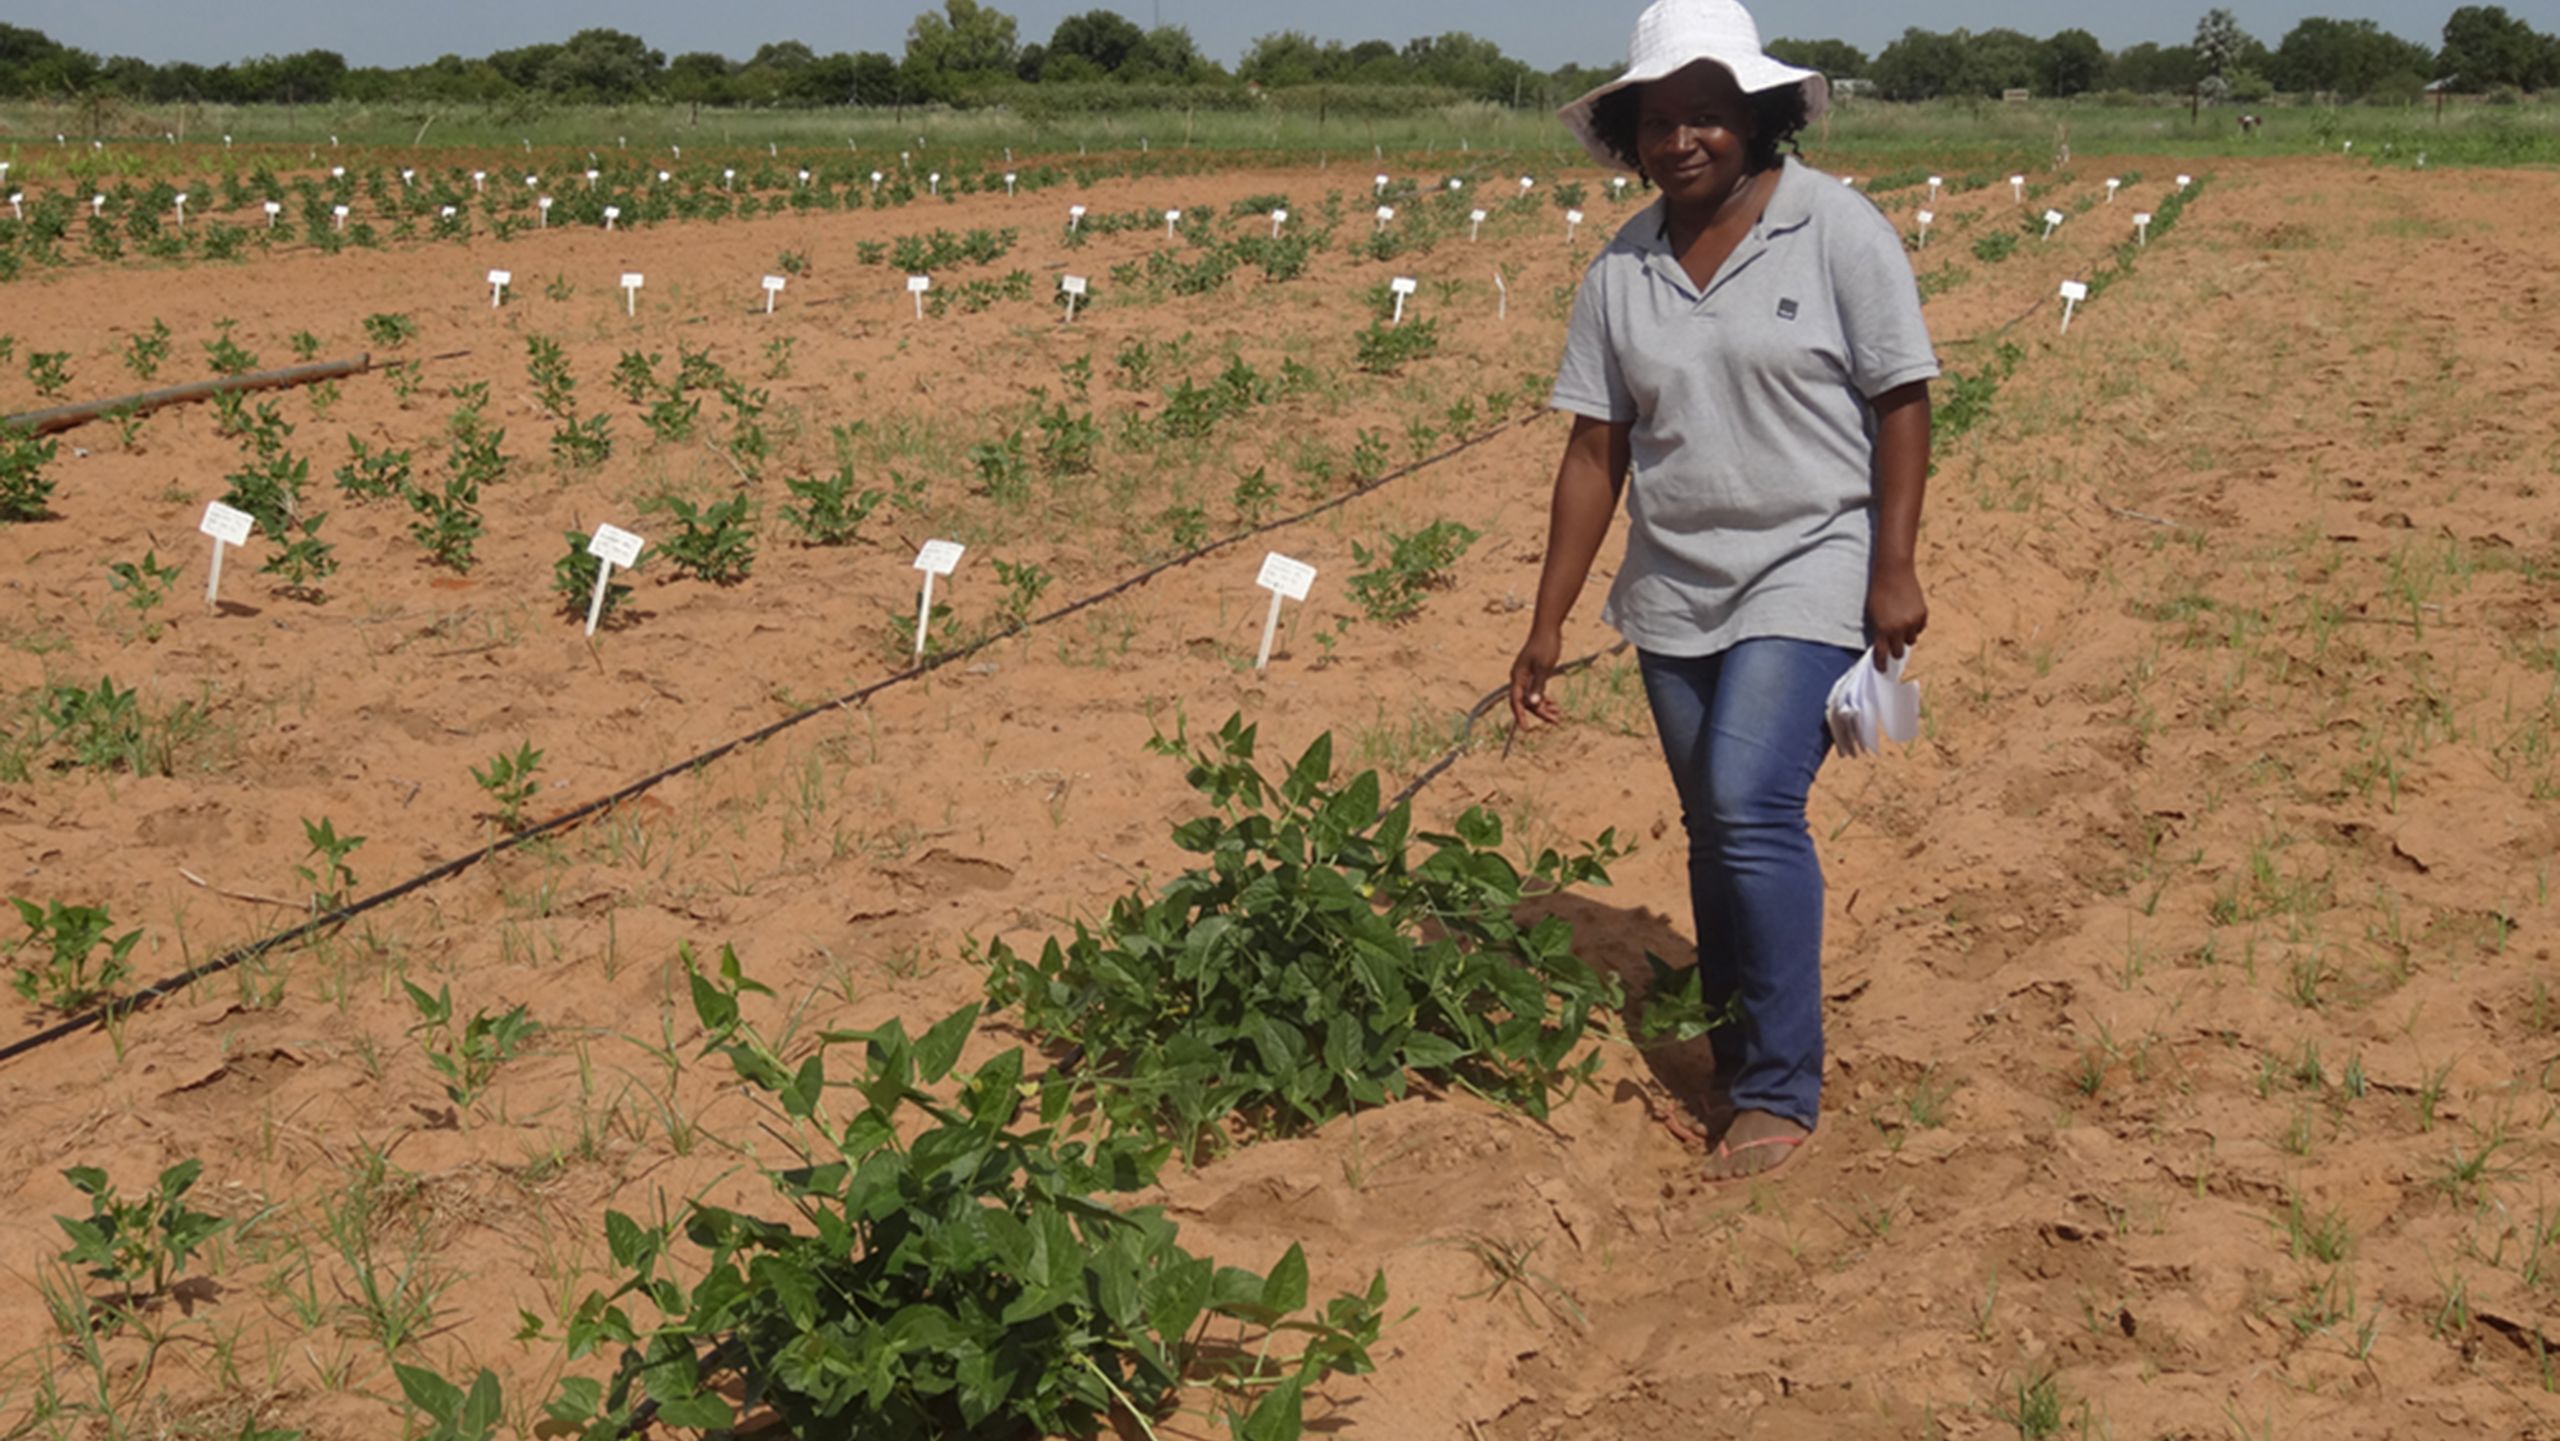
[[1492, 698], [125, 1005]]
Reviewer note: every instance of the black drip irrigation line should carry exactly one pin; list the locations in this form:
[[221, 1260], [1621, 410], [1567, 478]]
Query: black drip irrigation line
[[1492, 698], [125, 1005]]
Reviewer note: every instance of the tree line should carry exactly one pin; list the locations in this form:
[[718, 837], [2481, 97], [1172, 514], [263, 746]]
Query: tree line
[[967, 52]]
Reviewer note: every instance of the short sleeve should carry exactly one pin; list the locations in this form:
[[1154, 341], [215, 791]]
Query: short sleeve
[[1590, 381], [1879, 304]]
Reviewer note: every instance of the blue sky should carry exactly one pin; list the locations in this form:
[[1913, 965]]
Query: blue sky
[[372, 32]]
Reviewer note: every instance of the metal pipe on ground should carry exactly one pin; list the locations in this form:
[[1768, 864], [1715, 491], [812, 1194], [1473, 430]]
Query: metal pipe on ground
[[64, 417]]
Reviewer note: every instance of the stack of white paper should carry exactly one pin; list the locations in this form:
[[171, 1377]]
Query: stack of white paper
[[1869, 705]]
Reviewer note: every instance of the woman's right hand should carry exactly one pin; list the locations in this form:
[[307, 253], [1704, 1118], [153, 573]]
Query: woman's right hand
[[1529, 675]]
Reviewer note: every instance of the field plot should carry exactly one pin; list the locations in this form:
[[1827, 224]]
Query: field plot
[[2191, 977]]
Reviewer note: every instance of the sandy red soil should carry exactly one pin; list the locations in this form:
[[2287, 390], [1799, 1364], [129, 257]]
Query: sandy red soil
[[2238, 770]]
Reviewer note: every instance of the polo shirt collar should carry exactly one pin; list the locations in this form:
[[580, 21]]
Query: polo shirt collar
[[1790, 207]]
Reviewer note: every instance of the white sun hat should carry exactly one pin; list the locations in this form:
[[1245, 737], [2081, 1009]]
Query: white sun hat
[[1672, 35]]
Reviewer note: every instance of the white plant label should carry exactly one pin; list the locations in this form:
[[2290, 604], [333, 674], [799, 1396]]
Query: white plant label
[[499, 280], [1935, 181], [1075, 217], [664, 177], [933, 183], [1074, 287], [1009, 178], [479, 181], [1286, 579], [2142, 227], [1456, 185], [591, 179], [1172, 218], [1525, 183], [632, 280], [181, 202], [1475, 223], [97, 206], [614, 546], [2185, 180], [227, 527], [2017, 187], [938, 558], [448, 212], [1572, 223], [728, 179], [542, 213], [337, 172], [876, 178], [2052, 218], [2073, 292], [1926, 218], [337, 217], [772, 287], [1402, 286], [1618, 185], [1385, 214], [612, 213], [1383, 183], [1278, 219], [2113, 185], [273, 210], [917, 285]]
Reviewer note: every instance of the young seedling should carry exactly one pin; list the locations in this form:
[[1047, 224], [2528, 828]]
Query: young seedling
[[1407, 567], [712, 542], [468, 1058], [143, 585], [1023, 586], [143, 1242], [68, 977], [509, 783], [24, 487], [325, 868]]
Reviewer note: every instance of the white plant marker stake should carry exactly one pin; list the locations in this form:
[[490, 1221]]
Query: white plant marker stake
[[917, 285], [1475, 224], [337, 172], [611, 545], [273, 210], [1074, 286], [1926, 218], [1009, 178], [1402, 285], [2017, 187], [1934, 182], [449, 212], [612, 213], [479, 182], [591, 179], [804, 179], [1075, 218], [664, 177], [2052, 218], [1383, 183], [632, 280], [1526, 182], [2073, 292], [1572, 223], [97, 206], [1618, 187], [182, 210], [1172, 218], [1849, 181], [2185, 180], [939, 557], [408, 177], [933, 183], [876, 178], [542, 213], [2142, 227], [729, 180], [18, 204], [337, 217], [1286, 579], [1456, 185], [1502, 298], [1278, 219], [772, 287], [2113, 185], [227, 527], [499, 280], [1385, 214]]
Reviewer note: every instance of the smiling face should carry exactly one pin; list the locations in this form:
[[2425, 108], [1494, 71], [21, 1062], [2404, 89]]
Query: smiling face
[[1693, 134]]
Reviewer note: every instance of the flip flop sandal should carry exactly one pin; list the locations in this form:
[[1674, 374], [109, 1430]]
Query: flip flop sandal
[[1723, 1153]]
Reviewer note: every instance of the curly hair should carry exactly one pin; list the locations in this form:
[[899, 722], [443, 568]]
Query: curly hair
[[1777, 118]]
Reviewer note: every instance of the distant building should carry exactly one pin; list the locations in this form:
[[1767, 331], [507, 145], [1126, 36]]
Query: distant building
[[2016, 97], [1850, 87]]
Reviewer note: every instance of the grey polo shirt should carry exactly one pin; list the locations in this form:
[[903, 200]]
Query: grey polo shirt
[[1751, 500]]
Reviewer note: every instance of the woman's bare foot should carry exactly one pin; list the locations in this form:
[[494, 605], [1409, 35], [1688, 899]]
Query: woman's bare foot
[[1757, 1141]]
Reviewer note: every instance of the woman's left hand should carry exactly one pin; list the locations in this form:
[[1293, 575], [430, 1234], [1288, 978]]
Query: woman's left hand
[[1896, 611]]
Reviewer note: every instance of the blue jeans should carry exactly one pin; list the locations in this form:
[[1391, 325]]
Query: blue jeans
[[1744, 732]]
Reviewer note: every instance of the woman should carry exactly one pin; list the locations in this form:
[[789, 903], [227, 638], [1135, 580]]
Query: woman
[[1751, 348]]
